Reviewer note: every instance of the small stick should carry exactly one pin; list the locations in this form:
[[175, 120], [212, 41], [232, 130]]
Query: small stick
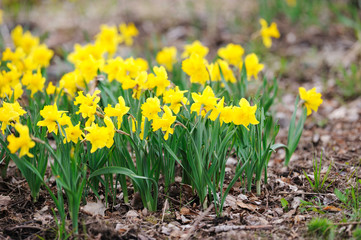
[[308, 193], [197, 221], [166, 205], [225, 228]]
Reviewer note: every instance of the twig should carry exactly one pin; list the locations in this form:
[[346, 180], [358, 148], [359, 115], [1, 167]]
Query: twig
[[308, 193], [347, 223], [166, 204], [197, 221], [175, 200], [226, 228], [25, 226]]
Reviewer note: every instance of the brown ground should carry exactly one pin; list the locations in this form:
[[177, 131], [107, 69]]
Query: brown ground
[[314, 57]]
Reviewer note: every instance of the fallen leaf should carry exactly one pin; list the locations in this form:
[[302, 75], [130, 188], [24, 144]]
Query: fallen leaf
[[332, 209], [4, 200], [248, 206], [185, 211], [94, 208]]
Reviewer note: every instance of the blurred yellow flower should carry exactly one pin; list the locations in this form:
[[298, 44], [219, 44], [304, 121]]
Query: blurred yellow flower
[[33, 82], [108, 38], [216, 68], [151, 108], [253, 67], [195, 48], [10, 112], [312, 99], [127, 33], [232, 53], [51, 116], [23, 142], [167, 57], [100, 137], [195, 67], [268, 31], [50, 89], [159, 80]]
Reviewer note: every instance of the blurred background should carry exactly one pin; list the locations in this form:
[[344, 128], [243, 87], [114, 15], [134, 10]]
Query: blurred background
[[319, 44]]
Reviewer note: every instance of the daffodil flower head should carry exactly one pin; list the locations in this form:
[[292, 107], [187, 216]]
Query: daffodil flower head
[[51, 116], [88, 105], [108, 38], [196, 68], [195, 48], [167, 57], [253, 67], [312, 99], [245, 114], [41, 56], [127, 33], [113, 68], [118, 111], [33, 82], [151, 108], [267, 32], [10, 112], [165, 122], [232, 53], [175, 98], [23, 142], [204, 102], [159, 80], [215, 71], [73, 133]]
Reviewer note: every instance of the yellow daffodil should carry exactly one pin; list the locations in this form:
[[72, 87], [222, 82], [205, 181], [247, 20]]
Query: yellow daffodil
[[51, 116], [113, 68], [291, 3], [175, 98], [118, 111], [88, 105], [23, 142], [127, 33], [245, 114], [24, 40], [312, 99], [267, 32], [253, 67], [33, 82], [10, 112], [159, 80], [195, 48], [165, 122], [1, 16], [167, 57], [50, 89], [41, 56], [232, 53], [195, 67], [100, 137], [89, 68], [216, 68], [108, 38], [204, 102], [151, 108], [71, 81], [73, 133]]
